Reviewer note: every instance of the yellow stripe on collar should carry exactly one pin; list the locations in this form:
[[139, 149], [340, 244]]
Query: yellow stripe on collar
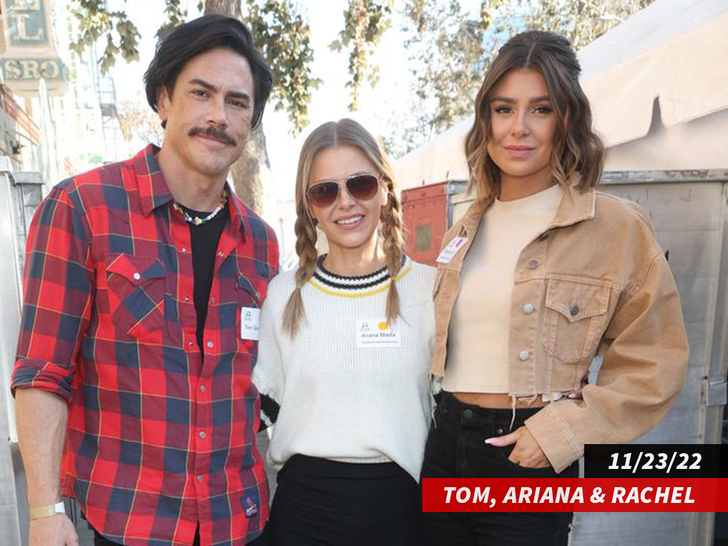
[[360, 294]]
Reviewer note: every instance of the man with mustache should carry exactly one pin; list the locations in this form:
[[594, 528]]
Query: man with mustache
[[142, 288]]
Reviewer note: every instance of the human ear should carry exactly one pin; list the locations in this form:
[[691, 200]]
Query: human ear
[[312, 215], [163, 104], [384, 193]]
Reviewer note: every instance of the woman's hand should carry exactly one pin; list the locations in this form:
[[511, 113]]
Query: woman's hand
[[527, 451], [576, 395]]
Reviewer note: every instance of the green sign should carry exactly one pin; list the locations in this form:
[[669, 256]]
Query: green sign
[[49, 68], [27, 23]]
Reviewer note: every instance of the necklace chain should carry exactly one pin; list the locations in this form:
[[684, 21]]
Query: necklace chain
[[196, 220]]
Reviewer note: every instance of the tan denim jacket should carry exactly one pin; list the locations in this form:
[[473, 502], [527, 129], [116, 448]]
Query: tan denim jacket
[[595, 282]]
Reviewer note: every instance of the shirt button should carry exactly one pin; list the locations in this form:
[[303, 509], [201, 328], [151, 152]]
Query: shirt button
[[187, 299], [202, 434], [468, 413], [220, 254], [499, 432], [524, 355], [210, 344], [574, 310], [199, 478], [202, 388], [184, 251], [189, 343], [533, 264], [528, 309], [212, 300], [137, 276]]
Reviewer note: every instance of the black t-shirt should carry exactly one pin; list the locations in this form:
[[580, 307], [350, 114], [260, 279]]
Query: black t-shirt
[[205, 239]]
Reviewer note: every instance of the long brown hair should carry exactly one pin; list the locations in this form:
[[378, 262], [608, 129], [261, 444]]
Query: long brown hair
[[577, 150], [345, 132]]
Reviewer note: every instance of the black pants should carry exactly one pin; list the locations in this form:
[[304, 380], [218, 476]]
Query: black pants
[[326, 503], [456, 448]]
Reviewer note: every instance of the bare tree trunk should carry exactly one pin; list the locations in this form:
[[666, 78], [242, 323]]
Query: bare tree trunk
[[231, 8], [246, 172]]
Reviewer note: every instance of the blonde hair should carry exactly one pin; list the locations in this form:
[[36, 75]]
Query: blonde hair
[[345, 132], [577, 152]]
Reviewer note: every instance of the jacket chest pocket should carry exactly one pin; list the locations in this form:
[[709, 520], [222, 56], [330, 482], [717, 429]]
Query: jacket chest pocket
[[136, 287], [575, 317]]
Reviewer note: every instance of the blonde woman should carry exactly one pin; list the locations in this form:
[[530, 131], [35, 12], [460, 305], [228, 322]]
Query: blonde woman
[[345, 345], [545, 273]]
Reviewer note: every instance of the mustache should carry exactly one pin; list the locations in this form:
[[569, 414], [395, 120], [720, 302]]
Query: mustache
[[213, 132]]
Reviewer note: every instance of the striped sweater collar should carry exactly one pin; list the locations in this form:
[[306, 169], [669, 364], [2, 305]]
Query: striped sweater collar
[[341, 285]]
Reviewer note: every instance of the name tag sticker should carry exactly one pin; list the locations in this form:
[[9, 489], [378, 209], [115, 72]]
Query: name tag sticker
[[250, 323], [376, 333], [451, 249]]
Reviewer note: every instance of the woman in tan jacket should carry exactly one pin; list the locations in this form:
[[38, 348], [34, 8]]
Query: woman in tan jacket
[[542, 274]]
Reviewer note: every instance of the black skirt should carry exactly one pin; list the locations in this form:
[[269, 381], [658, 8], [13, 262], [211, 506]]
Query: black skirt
[[327, 503]]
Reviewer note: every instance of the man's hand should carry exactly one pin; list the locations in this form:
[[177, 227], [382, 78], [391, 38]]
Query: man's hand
[[527, 452], [55, 530]]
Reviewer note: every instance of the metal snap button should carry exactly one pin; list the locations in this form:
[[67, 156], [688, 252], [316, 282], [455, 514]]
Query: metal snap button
[[137, 276], [533, 264], [499, 432], [524, 355], [528, 309], [468, 413], [574, 310]]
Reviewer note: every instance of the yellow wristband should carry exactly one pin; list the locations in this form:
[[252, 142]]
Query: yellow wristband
[[46, 511]]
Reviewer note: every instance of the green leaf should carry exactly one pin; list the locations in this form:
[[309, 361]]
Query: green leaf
[[365, 21], [283, 36]]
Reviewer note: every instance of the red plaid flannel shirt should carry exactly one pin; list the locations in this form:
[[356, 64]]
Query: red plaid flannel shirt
[[157, 440]]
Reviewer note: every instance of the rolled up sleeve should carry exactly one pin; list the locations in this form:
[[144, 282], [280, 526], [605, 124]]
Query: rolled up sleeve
[[58, 290], [643, 371]]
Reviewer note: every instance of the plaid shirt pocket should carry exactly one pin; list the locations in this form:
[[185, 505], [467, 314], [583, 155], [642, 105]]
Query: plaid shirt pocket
[[136, 287]]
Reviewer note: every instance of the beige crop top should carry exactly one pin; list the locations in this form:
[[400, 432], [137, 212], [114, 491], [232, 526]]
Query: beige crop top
[[477, 359]]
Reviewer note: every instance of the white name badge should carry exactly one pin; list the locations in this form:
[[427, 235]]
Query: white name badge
[[451, 249], [376, 333], [250, 323]]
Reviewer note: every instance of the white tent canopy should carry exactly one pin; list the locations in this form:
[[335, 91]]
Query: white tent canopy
[[658, 86]]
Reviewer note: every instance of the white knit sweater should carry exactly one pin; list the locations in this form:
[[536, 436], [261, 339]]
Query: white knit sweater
[[339, 398]]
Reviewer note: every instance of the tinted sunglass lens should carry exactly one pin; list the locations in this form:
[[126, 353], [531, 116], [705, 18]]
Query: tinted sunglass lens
[[362, 187], [322, 195]]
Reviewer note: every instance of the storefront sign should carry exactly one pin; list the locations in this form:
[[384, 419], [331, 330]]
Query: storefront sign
[[32, 69], [27, 23], [30, 53]]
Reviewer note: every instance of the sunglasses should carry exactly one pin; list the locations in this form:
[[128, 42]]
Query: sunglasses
[[361, 187]]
